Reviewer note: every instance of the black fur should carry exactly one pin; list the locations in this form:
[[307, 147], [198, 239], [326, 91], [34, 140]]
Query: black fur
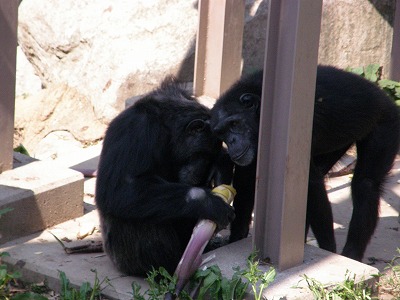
[[156, 160], [348, 109]]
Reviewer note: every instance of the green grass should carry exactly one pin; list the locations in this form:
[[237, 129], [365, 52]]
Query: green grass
[[209, 283], [85, 292], [347, 290], [390, 283]]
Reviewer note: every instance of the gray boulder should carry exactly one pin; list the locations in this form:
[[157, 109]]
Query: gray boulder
[[111, 50], [107, 50], [59, 107]]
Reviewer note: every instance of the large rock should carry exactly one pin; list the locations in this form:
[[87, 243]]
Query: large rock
[[254, 34], [59, 107], [353, 33], [112, 50], [107, 50], [27, 82], [357, 33]]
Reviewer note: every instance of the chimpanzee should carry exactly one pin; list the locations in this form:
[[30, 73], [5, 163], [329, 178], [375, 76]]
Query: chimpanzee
[[152, 184], [348, 109]]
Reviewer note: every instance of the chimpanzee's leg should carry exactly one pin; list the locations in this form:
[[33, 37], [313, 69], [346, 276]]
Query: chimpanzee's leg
[[244, 182], [375, 155], [319, 211]]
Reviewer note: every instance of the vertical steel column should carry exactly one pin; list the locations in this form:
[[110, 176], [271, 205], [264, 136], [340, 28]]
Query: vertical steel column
[[395, 58], [8, 52], [285, 130], [219, 46]]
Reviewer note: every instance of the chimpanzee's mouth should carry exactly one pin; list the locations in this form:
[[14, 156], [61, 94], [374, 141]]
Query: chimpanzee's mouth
[[243, 153]]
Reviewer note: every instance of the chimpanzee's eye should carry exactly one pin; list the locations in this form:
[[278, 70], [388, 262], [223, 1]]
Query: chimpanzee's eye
[[249, 100], [235, 126], [234, 123]]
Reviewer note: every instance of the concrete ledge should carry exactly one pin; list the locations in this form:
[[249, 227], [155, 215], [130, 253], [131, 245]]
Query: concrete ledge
[[41, 195], [39, 257], [326, 267]]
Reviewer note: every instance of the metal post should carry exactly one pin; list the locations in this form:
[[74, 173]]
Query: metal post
[[219, 46], [285, 130], [8, 52]]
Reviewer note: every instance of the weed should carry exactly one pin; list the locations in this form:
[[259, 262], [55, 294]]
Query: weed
[[212, 285], [29, 296], [347, 290], [391, 282], [373, 73], [85, 292], [21, 149], [6, 278], [208, 283], [253, 274], [5, 210]]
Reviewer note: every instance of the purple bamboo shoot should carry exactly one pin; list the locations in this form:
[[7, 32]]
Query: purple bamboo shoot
[[202, 233]]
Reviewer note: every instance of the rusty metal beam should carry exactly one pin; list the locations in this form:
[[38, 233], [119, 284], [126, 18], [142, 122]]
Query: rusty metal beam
[[8, 50], [219, 46], [395, 57], [285, 130]]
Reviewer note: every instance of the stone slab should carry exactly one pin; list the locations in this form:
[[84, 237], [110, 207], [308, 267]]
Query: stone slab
[[41, 195], [39, 257], [326, 267]]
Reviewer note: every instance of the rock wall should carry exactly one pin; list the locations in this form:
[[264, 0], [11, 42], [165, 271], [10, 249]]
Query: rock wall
[[101, 52], [102, 48], [357, 33]]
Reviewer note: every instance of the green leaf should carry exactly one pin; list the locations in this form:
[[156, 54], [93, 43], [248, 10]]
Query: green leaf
[[3, 273], [5, 210], [215, 269], [356, 70], [397, 92], [16, 275], [371, 72], [387, 83], [268, 277], [29, 296], [4, 254], [201, 273], [237, 287], [226, 289], [207, 284], [84, 290], [21, 149], [136, 291]]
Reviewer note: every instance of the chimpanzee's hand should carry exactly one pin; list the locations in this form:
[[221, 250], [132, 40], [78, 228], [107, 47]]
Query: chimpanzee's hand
[[219, 212]]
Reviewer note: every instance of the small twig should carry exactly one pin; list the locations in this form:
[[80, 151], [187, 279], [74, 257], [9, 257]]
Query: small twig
[[94, 247]]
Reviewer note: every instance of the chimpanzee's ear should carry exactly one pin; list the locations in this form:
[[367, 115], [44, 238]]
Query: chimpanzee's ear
[[196, 126], [249, 100]]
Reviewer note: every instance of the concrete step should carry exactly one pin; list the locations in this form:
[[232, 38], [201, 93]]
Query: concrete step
[[39, 257], [41, 195], [328, 268]]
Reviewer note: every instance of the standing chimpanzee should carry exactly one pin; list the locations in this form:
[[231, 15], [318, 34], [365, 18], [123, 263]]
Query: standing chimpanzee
[[348, 109], [157, 158]]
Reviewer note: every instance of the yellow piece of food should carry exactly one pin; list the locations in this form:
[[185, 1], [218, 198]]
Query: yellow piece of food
[[225, 191]]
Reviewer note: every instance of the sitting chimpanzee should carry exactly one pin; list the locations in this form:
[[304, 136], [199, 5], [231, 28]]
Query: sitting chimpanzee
[[158, 157], [348, 109]]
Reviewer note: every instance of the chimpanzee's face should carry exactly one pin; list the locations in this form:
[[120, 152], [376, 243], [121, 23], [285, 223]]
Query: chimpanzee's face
[[235, 119]]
